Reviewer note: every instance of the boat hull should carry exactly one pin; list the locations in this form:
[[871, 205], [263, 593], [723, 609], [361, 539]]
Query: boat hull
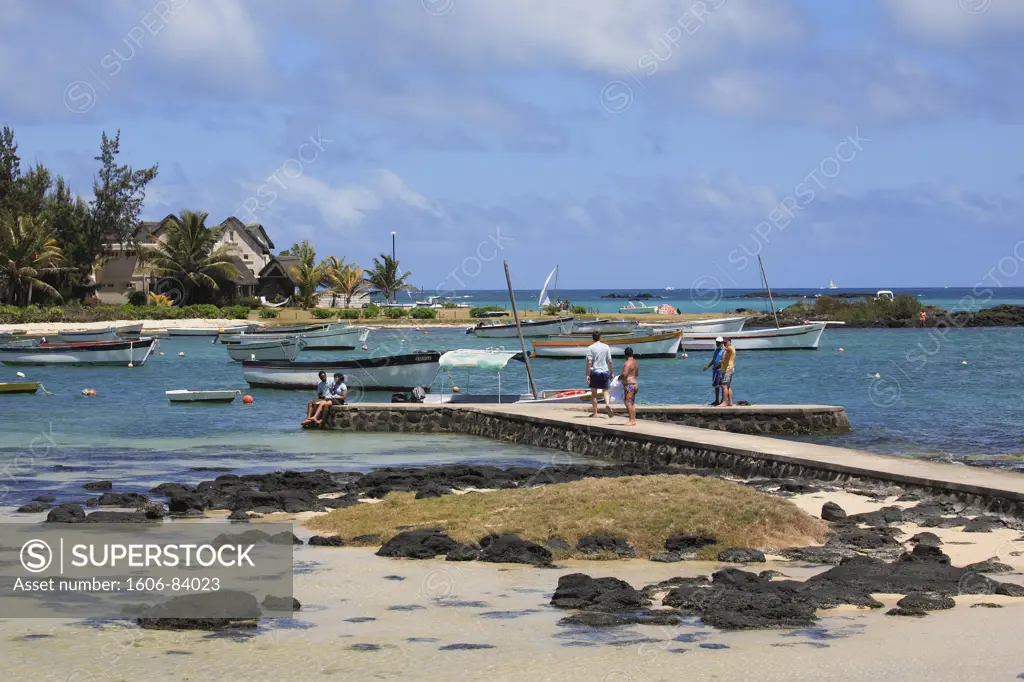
[[208, 331], [283, 349], [797, 337], [721, 325], [184, 396], [340, 338], [638, 310], [657, 346], [605, 327], [107, 334], [553, 396], [530, 329], [19, 387], [134, 352], [390, 373]]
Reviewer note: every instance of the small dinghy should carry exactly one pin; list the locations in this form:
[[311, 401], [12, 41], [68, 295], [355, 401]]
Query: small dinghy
[[185, 396], [10, 388]]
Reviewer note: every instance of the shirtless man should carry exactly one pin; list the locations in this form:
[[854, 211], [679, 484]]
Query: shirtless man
[[630, 372]]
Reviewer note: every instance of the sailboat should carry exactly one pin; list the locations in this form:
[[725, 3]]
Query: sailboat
[[832, 284], [543, 300]]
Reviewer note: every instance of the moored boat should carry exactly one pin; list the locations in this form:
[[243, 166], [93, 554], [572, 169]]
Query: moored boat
[[210, 331], [718, 325], [604, 326], [655, 346], [186, 396], [632, 308], [796, 337], [388, 373], [11, 388], [330, 337], [105, 334], [507, 330], [274, 349], [493, 360], [133, 352]]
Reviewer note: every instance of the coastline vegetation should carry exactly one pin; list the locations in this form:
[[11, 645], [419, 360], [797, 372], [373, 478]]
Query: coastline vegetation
[[644, 509]]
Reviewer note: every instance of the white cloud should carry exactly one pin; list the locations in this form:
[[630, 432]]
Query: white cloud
[[347, 206], [949, 21]]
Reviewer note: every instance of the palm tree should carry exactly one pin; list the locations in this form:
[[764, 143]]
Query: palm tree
[[309, 276], [384, 277], [28, 252], [345, 279], [189, 253]]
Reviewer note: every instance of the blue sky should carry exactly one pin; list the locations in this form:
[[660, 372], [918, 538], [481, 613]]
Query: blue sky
[[640, 144]]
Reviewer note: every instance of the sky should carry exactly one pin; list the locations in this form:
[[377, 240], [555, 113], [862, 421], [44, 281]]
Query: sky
[[634, 144]]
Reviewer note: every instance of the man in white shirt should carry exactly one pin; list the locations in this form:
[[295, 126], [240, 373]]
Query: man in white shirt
[[599, 372]]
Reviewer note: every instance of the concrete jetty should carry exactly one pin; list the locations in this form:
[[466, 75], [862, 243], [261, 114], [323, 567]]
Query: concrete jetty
[[570, 429]]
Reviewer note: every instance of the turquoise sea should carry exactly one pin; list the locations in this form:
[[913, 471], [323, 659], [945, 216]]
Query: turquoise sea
[[925, 403]]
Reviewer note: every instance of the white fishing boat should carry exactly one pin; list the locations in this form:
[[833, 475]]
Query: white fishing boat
[[210, 331], [656, 346], [718, 325], [104, 334], [128, 352], [796, 337], [330, 337], [492, 360], [273, 349], [507, 330], [632, 308], [604, 326], [885, 294], [389, 373], [185, 396]]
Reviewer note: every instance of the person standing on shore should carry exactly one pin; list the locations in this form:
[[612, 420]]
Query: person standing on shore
[[728, 366], [599, 372], [630, 372], [716, 374]]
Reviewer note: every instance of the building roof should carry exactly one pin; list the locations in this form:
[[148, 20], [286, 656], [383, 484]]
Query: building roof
[[261, 235], [280, 266], [254, 234], [245, 277]]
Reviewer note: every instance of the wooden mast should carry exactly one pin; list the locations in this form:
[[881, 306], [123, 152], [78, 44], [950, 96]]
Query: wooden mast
[[769, 289], [519, 330]]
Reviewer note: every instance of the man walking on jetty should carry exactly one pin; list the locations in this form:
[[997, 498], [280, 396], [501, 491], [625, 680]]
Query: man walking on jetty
[[716, 366], [728, 365], [599, 373]]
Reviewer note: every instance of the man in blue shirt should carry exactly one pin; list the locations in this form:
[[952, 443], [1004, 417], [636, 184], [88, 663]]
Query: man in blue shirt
[[716, 374]]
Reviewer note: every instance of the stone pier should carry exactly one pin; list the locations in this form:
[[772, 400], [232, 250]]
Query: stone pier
[[666, 436]]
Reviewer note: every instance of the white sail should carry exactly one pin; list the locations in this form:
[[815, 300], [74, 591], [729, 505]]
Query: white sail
[[544, 300], [832, 284]]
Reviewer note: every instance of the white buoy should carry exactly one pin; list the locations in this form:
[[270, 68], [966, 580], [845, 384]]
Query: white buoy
[[181, 354], [20, 375], [130, 365], [877, 376], [963, 362], [685, 356]]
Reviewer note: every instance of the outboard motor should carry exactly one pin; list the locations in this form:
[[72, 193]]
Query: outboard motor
[[418, 395]]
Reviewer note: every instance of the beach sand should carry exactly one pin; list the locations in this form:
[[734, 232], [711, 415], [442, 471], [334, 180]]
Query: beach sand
[[367, 617]]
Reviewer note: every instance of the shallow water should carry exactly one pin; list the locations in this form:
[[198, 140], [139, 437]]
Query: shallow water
[[926, 403]]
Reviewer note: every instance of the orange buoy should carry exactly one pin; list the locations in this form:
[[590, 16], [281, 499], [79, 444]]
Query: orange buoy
[[426, 332], [247, 399], [455, 389]]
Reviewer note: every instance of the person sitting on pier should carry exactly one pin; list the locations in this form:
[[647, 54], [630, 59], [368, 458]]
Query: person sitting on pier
[[339, 391], [323, 395]]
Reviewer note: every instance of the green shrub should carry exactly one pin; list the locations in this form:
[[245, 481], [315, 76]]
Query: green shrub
[[423, 313], [552, 310], [249, 302], [235, 312], [137, 298], [371, 311], [448, 305], [579, 310], [395, 313], [349, 314], [323, 313], [473, 312], [10, 314], [269, 314]]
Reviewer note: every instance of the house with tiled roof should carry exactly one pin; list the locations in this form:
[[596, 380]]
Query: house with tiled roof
[[120, 272]]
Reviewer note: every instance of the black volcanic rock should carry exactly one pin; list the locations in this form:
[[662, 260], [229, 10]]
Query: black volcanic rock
[[596, 545], [66, 513], [32, 508], [511, 549], [830, 511], [418, 544], [99, 485]]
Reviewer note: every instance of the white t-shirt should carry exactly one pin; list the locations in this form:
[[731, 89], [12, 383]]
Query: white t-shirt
[[600, 356], [338, 390]]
